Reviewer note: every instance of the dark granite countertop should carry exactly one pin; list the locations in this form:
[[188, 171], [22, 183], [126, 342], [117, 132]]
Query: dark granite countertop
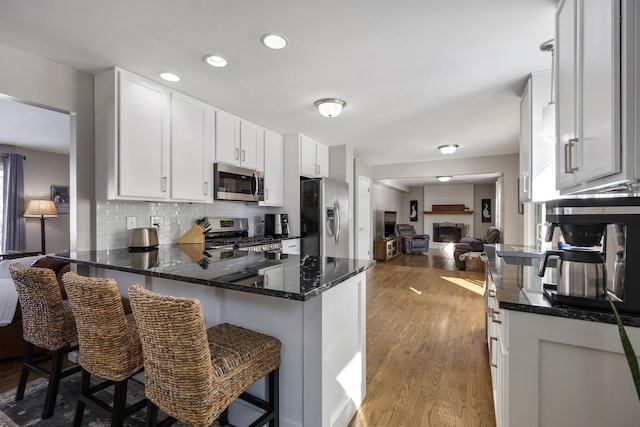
[[519, 288], [287, 276]]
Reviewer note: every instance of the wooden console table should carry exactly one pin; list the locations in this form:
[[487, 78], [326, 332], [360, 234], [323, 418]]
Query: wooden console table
[[385, 249]]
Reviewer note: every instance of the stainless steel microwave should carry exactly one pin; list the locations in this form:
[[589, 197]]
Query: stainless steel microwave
[[237, 183]]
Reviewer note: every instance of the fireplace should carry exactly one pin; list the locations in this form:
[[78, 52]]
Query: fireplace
[[448, 232]]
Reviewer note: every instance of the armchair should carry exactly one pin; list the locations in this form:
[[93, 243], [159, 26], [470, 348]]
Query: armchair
[[474, 244], [412, 243]]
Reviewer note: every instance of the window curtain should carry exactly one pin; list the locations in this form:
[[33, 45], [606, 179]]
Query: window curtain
[[13, 228]]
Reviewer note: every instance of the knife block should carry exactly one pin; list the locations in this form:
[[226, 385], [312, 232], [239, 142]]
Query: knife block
[[193, 235]]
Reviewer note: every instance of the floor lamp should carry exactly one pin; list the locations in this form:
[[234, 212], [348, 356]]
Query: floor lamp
[[41, 209]]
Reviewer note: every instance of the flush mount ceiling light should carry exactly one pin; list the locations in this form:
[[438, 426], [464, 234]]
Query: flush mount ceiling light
[[216, 61], [448, 149], [330, 107], [170, 77], [444, 178], [274, 41]]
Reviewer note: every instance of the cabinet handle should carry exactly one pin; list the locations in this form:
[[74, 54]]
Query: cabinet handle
[[266, 194], [317, 169], [492, 339], [493, 316], [237, 151], [492, 292], [525, 183], [568, 157], [243, 155], [164, 184], [206, 188]]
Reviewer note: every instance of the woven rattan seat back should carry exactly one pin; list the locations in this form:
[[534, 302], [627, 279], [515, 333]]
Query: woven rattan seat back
[[46, 321], [108, 339], [178, 370]]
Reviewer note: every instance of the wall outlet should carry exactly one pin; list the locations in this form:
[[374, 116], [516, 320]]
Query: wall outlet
[[131, 222], [153, 220]]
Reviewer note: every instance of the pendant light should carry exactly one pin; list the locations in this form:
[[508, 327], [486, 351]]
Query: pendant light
[[549, 110]]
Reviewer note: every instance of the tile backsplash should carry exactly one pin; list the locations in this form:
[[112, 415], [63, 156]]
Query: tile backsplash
[[175, 218]]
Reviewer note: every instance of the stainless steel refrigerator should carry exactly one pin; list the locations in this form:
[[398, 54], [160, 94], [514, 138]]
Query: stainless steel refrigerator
[[324, 217]]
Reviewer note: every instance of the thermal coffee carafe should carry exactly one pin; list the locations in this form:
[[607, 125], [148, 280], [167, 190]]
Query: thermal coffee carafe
[[276, 225], [603, 257]]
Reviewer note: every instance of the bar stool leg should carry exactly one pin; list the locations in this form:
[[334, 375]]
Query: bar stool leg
[[119, 403], [24, 375], [152, 414], [274, 397], [54, 384], [85, 383]]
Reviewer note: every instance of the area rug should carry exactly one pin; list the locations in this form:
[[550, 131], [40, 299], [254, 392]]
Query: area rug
[[28, 411]]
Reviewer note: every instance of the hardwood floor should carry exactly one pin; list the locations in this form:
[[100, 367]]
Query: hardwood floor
[[427, 360]]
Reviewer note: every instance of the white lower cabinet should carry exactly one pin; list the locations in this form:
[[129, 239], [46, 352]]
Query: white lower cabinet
[[557, 371], [291, 246]]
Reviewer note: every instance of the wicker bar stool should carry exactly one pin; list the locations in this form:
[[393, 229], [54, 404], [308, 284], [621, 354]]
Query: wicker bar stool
[[193, 373], [46, 322], [109, 345]]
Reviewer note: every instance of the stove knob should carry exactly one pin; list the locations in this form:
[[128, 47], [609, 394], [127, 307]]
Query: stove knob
[[264, 248]]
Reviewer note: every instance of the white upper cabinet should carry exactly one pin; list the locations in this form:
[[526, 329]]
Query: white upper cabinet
[[251, 140], [273, 169], [132, 137], [314, 158], [593, 72], [238, 142], [151, 143], [227, 138], [192, 138], [537, 155]]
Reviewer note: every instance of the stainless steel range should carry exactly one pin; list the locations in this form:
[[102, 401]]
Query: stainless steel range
[[234, 233]]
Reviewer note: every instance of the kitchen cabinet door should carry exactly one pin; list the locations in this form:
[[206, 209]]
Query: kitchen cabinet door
[[537, 155], [322, 159], [273, 169], [588, 52], [143, 143], [314, 158], [308, 165], [192, 133], [227, 138], [251, 137], [524, 189]]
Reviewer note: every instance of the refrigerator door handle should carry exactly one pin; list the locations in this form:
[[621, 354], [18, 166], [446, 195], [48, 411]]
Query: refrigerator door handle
[[336, 207]]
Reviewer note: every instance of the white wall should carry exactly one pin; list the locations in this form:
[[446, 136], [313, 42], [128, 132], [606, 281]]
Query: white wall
[[41, 170], [30, 78], [483, 191], [384, 199], [507, 165]]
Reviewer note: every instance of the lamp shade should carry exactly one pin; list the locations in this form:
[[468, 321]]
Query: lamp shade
[[330, 107], [40, 209]]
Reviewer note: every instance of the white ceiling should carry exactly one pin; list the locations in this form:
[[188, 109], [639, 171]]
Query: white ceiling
[[415, 73]]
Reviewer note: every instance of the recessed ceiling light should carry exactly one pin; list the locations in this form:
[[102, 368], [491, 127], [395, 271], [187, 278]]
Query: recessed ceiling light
[[448, 149], [444, 178], [216, 61], [274, 41], [170, 77]]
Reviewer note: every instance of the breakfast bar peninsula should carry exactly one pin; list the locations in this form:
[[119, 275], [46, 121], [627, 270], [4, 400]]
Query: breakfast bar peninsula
[[315, 306]]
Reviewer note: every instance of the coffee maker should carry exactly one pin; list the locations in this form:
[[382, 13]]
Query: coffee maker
[[603, 256], [276, 225]]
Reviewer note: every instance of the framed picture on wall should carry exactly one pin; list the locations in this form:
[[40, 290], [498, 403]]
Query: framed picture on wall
[[486, 210], [60, 196], [413, 210]]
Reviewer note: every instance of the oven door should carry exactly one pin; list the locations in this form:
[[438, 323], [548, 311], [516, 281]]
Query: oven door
[[237, 184]]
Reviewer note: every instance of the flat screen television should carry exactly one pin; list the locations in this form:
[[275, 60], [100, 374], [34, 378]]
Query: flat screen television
[[389, 223]]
